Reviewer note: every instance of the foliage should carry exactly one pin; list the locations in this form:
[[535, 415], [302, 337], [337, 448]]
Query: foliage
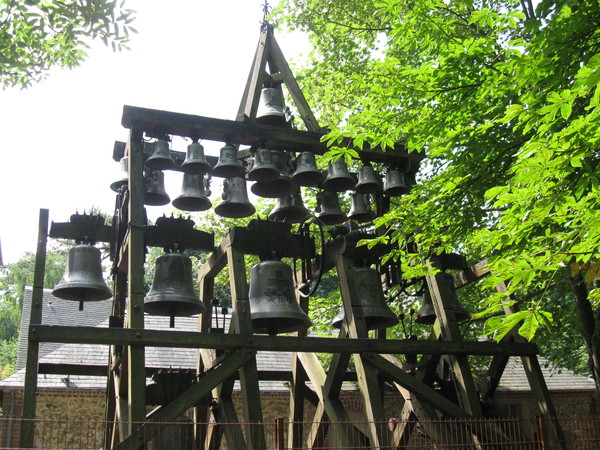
[[36, 35], [502, 98]]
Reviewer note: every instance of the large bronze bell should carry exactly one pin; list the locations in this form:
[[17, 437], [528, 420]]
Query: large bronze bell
[[328, 209], [160, 158], [289, 209], [271, 107], [262, 168], [368, 181], [194, 194], [282, 185], [122, 176], [394, 184], [195, 162], [427, 315], [360, 209], [83, 280], [376, 311], [235, 203], [228, 165], [172, 293], [307, 173], [338, 178], [155, 194], [273, 305]]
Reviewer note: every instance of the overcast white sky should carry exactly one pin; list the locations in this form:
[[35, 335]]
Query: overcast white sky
[[190, 56]]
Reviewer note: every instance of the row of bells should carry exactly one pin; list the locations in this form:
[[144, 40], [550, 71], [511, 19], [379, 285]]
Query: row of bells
[[273, 304]]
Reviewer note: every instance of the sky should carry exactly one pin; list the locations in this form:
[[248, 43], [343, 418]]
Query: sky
[[190, 56]]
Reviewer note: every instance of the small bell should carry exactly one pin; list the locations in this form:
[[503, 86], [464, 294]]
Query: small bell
[[172, 293], [375, 310], [282, 185], [328, 208], [368, 181], [235, 203], [160, 159], [228, 165], [262, 168], [155, 194], [271, 107], [123, 175], [289, 209], [306, 173], [427, 315], [359, 209], [338, 178], [194, 195], [195, 161], [273, 305], [83, 280], [394, 184]]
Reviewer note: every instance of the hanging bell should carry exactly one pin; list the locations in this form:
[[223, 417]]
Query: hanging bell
[[83, 280], [262, 168], [368, 181], [359, 209], [228, 165], [235, 203], [338, 178], [172, 293], [194, 195], [160, 158], [273, 305], [195, 162], [289, 209], [282, 185], [328, 209], [123, 175], [427, 315], [306, 173], [155, 194], [376, 311], [394, 184], [271, 108]]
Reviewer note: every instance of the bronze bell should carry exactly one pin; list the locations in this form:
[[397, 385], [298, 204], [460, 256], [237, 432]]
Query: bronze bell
[[427, 315], [289, 209], [394, 184], [172, 293], [194, 194], [271, 107], [376, 311], [123, 175], [155, 194], [83, 280], [282, 185], [234, 203], [360, 209], [262, 168], [160, 159], [273, 305], [195, 161], [307, 173], [228, 165], [338, 178], [328, 208], [368, 181]]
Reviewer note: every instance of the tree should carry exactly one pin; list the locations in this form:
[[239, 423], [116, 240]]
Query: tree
[[503, 100], [36, 35]]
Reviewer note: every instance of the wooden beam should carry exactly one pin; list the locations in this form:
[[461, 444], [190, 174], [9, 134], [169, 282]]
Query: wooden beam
[[250, 98], [35, 317], [68, 230], [471, 275]]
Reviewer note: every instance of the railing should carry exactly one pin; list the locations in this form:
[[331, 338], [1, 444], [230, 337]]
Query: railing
[[497, 433]]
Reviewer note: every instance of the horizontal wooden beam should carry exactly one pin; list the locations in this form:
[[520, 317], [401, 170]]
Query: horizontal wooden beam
[[156, 122], [471, 275], [189, 339]]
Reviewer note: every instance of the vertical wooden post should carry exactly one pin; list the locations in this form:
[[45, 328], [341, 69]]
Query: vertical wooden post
[[279, 434], [299, 378], [201, 415], [33, 348], [135, 309]]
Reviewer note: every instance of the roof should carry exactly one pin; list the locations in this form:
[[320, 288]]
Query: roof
[[64, 312]]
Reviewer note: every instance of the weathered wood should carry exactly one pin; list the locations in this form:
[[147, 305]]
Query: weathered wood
[[68, 230], [35, 317], [251, 95], [471, 275]]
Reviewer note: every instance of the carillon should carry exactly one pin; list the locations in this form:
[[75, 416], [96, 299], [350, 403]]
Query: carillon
[[328, 209], [155, 194], [368, 181], [307, 173], [261, 166], [234, 200], [290, 209], [280, 186], [228, 165], [195, 162], [122, 176], [160, 158], [271, 107], [338, 178], [360, 209], [194, 194]]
